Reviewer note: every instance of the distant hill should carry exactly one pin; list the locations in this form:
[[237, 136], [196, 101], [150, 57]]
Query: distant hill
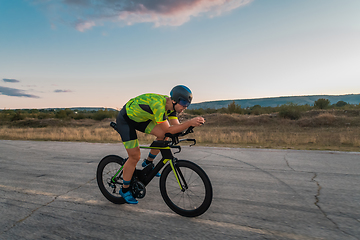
[[244, 103], [277, 101]]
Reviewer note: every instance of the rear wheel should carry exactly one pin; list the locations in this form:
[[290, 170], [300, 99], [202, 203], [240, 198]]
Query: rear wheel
[[196, 196], [109, 178]]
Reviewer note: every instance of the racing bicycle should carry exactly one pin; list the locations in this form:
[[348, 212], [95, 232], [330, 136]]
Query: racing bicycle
[[184, 186]]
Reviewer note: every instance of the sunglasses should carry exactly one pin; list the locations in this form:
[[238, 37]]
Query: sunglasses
[[183, 102]]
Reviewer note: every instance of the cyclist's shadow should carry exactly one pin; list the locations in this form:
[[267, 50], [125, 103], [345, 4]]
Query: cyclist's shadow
[[120, 201]]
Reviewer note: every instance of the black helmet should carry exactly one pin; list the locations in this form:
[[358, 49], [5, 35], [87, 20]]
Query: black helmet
[[182, 95]]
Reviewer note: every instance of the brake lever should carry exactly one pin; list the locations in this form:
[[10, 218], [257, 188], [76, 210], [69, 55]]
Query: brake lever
[[178, 147], [193, 140]]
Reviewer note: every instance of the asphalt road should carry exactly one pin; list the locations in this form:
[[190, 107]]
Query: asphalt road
[[48, 190]]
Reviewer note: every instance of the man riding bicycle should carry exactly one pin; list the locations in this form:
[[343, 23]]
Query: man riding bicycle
[[152, 114]]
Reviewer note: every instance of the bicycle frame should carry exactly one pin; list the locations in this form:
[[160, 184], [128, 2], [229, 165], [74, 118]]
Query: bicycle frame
[[167, 156]]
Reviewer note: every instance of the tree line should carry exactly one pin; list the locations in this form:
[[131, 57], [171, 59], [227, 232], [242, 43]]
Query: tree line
[[66, 114], [289, 110]]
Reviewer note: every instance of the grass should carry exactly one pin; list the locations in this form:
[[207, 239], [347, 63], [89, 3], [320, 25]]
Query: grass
[[320, 131], [284, 137]]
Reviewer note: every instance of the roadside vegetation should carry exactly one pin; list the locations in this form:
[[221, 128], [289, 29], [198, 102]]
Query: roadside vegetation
[[320, 126]]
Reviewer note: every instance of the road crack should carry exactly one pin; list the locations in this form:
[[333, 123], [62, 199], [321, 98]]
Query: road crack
[[317, 204], [287, 163], [318, 195]]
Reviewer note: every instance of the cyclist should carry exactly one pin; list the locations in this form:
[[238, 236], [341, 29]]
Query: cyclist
[[153, 114]]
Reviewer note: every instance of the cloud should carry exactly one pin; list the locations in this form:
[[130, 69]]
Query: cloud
[[85, 14], [15, 92], [10, 80], [84, 25], [62, 91]]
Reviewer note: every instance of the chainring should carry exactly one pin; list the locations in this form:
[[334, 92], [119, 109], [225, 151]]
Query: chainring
[[138, 189]]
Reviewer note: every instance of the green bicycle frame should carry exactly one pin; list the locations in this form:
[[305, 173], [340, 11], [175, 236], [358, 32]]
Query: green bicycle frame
[[118, 172]]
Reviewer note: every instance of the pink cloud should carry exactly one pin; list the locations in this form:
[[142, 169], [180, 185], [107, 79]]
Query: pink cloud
[[158, 12], [84, 25], [176, 13]]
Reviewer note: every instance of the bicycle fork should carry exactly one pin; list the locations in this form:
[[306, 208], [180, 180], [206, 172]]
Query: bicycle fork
[[178, 175]]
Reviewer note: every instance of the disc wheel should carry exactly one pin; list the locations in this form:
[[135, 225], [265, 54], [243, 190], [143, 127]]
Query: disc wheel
[[109, 178], [196, 196]]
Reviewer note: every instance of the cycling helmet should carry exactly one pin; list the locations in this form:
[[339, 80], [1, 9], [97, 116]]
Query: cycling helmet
[[181, 95]]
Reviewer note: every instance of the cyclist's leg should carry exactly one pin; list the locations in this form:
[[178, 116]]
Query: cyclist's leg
[[153, 152], [127, 129], [130, 165], [158, 132], [160, 135], [129, 137]]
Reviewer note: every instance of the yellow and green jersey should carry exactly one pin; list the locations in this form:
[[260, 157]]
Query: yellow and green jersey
[[149, 106]]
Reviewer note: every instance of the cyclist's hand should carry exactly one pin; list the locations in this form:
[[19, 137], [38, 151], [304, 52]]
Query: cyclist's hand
[[197, 121]]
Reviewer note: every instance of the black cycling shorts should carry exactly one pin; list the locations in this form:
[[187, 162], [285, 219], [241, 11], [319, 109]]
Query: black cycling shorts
[[127, 129]]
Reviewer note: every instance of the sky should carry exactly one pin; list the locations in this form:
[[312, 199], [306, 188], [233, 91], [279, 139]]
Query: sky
[[101, 53]]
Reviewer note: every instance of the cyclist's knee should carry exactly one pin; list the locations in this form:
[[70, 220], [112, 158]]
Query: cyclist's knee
[[158, 133], [161, 137], [134, 154]]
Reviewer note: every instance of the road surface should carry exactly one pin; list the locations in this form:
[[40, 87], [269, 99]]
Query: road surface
[[48, 190]]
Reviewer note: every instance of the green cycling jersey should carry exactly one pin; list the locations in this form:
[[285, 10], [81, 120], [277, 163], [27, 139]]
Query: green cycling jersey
[[149, 106]]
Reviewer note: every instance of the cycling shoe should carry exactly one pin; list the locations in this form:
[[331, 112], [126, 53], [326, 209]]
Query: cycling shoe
[[128, 197]]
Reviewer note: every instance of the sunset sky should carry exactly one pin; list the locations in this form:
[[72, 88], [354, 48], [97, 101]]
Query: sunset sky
[[82, 53]]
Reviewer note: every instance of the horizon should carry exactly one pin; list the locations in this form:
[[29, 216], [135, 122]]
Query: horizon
[[285, 96], [239, 99], [91, 53]]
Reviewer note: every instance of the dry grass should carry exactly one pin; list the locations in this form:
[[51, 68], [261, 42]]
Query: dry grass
[[324, 131], [82, 134], [282, 137]]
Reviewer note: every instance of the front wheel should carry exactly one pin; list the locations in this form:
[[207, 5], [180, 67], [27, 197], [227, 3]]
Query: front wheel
[[195, 197]]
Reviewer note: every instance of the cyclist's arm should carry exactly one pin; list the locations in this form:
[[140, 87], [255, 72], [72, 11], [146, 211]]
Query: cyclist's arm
[[174, 122], [165, 126]]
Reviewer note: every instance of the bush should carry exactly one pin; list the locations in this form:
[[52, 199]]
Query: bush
[[78, 116], [43, 115], [61, 114], [322, 103], [234, 108], [256, 110], [18, 116], [290, 111], [102, 114], [65, 114], [6, 115], [340, 104]]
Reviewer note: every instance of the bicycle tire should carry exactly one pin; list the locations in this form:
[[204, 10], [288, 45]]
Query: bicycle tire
[[196, 199], [106, 170]]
